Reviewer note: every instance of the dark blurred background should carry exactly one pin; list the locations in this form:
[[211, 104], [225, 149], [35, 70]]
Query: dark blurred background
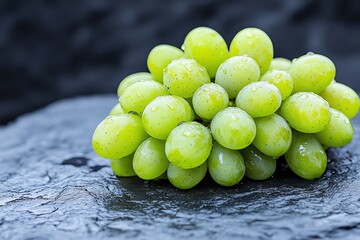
[[59, 49]]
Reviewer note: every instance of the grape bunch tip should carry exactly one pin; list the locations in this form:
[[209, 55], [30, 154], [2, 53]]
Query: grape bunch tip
[[227, 111]]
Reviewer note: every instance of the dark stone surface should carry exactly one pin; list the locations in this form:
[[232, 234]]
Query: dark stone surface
[[53, 186]]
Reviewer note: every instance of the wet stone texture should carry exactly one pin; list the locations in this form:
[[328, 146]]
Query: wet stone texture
[[53, 186]]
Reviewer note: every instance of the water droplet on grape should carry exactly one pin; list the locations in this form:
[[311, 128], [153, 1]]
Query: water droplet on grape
[[108, 120], [304, 96], [188, 133], [347, 121], [206, 89], [250, 35], [153, 109], [337, 115], [234, 117], [183, 47], [253, 89], [244, 59], [278, 75], [294, 60], [171, 107], [310, 53], [139, 94]]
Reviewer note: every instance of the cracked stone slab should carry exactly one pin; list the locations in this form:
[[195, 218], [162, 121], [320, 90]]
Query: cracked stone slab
[[53, 186]]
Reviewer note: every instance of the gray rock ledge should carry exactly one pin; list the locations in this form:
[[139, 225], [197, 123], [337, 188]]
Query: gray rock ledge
[[53, 186]]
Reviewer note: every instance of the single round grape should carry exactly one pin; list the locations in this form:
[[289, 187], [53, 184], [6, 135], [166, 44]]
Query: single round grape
[[159, 57], [342, 98], [118, 136], [135, 77], [207, 47], [312, 73], [233, 128], [208, 100], [259, 99], [186, 178], [182, 77], [281, 64], [281, 79], [188, 145], [164, 113], [138, 95], [306, 157], [306, 112], [273, 135], [259, 166], [338, 132], [226, 166], [237, 72], [123, 167], [150, 160], [254, 43]]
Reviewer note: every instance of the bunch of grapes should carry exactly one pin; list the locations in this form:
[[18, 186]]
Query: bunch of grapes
[[231, 112]]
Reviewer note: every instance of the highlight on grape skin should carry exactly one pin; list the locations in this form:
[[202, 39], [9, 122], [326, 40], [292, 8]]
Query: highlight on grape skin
[[229, 111]]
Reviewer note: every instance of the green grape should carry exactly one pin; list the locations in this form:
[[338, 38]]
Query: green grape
[[208, 100], [233, 128], [159, 57], [182, 77], [207, 47], [150, 160], [306, 112], [123, 167], [188, 145], [254, 43], [226, 166], [164, 113], [338, 132], [281, 64], [116, 110], [273, 135], [258, 165], [312, 73], [342, 98], [186, 178], [237, 72], [259, 99], [281, 79], [135, 77], [118, 136], [306, 157], [138, 95]]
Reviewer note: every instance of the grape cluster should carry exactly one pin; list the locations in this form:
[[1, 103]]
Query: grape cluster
[[227, 111]]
